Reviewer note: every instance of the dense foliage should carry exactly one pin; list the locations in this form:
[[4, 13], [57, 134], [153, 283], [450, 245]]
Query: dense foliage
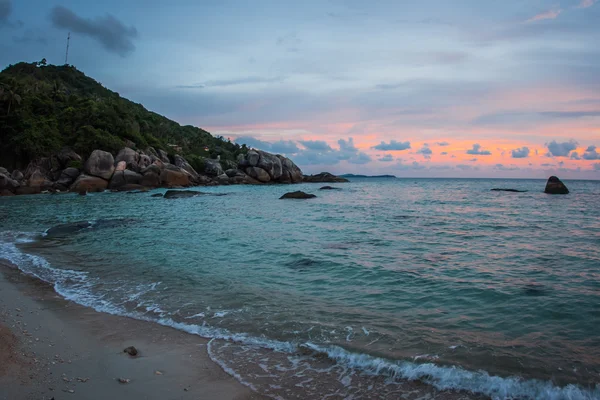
[[46, 107]]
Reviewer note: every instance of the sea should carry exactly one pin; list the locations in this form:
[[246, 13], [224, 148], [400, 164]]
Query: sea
[[384, 289]]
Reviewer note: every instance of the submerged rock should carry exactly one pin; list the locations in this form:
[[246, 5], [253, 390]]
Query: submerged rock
[[181, 194], [297, 195], [330, 188], [508, 190], [555, 186], [65, 229]]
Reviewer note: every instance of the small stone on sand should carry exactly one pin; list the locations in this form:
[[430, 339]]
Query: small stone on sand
[[124, 380], [132, 351]]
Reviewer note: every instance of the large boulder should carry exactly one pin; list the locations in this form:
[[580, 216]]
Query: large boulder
[[324, 177], [555, 186], [38, 179], [253, 157], [100, 164], [6, 193], [184, 165], [67, 157], [86, 183], [17, 175], [7, 183], [122, 178], [212, 167], [144, 161], [270, 163], [151, 179], [297, 195], [131, 158], [67, 177], [290, 171], [164, 157], [171, 178], [4, 171], [258, 174]]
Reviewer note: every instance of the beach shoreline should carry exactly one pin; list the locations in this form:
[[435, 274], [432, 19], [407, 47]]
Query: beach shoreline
[[54, 348]]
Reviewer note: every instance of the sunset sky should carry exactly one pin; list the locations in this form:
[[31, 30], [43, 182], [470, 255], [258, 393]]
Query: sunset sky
[[412, 88]]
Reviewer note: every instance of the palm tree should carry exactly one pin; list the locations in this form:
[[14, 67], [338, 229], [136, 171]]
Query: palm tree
[[10, 96]]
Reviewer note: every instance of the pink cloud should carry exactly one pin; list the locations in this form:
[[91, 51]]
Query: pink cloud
[[586, 3], [550, 14]]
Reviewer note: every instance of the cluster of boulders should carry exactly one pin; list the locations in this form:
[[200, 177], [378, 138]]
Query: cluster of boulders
[[138, 170]]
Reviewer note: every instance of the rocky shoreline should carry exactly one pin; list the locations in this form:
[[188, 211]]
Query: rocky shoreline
[[132, 169]]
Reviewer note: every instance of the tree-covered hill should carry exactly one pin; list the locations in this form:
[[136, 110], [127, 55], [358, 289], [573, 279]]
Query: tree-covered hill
[[46, 107]]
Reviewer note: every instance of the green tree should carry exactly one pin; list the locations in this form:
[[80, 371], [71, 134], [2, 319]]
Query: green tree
[[10, 96]]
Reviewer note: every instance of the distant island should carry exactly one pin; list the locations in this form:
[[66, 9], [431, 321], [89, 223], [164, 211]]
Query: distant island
[[366, 176]]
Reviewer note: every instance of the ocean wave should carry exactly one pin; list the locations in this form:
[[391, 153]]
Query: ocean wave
[[76, 286]]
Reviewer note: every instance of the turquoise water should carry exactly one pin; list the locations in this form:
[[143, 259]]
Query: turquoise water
[[437, 279]]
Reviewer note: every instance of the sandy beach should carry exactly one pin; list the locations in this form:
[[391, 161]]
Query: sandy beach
[[55, 349]]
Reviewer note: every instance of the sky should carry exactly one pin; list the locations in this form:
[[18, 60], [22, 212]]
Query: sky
[[463, 88]]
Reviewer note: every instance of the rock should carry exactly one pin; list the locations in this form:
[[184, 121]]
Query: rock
[[223, 179], [157, 195], [153, 168], [121, 166], [67, 177], [270, 163], [290, 171], [508, 190], [330, 188], [66, 229], [144, 161], [101, 164], [555, 186], [4, 171], [151, 180], [181, 194], [171, 178], [124, 380], [242, 162], [6, 192], [131, 158], [231, 172], [86, 183], [324, 177], [184, 165], [122, 178], [297, 195], [132, 188], [253, 157], [212, 167], [7, 183], [17, 175], [164, 157], [151, 151], [132, 351], [66, 156], [38, 179], [258, 174]]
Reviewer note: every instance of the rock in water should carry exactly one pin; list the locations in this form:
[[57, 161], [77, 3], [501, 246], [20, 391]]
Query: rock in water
[[324, 177], [334, 188], [508, 190], [297, 195], [555, 186], [181, 194]]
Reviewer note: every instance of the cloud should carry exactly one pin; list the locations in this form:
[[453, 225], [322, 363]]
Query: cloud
[[591, 154], [108, 31], [575, 156], [392, 146], [476, 150], [473, 160], [522, 152], [386, 158], [586, 3], [463, 167], [414, 166], [597, 166], [360, 158], [30, 37], [318, 145], [347, 145], [279, 147], [231, 82], [550, 14], [502, 167], [425, 151], [444, 153], [442, 143], [5, 10], [561, 149]]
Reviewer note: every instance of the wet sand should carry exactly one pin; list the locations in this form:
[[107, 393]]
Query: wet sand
[[53, 348]]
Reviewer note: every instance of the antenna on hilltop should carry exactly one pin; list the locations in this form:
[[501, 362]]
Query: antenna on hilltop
[[67, 55]]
